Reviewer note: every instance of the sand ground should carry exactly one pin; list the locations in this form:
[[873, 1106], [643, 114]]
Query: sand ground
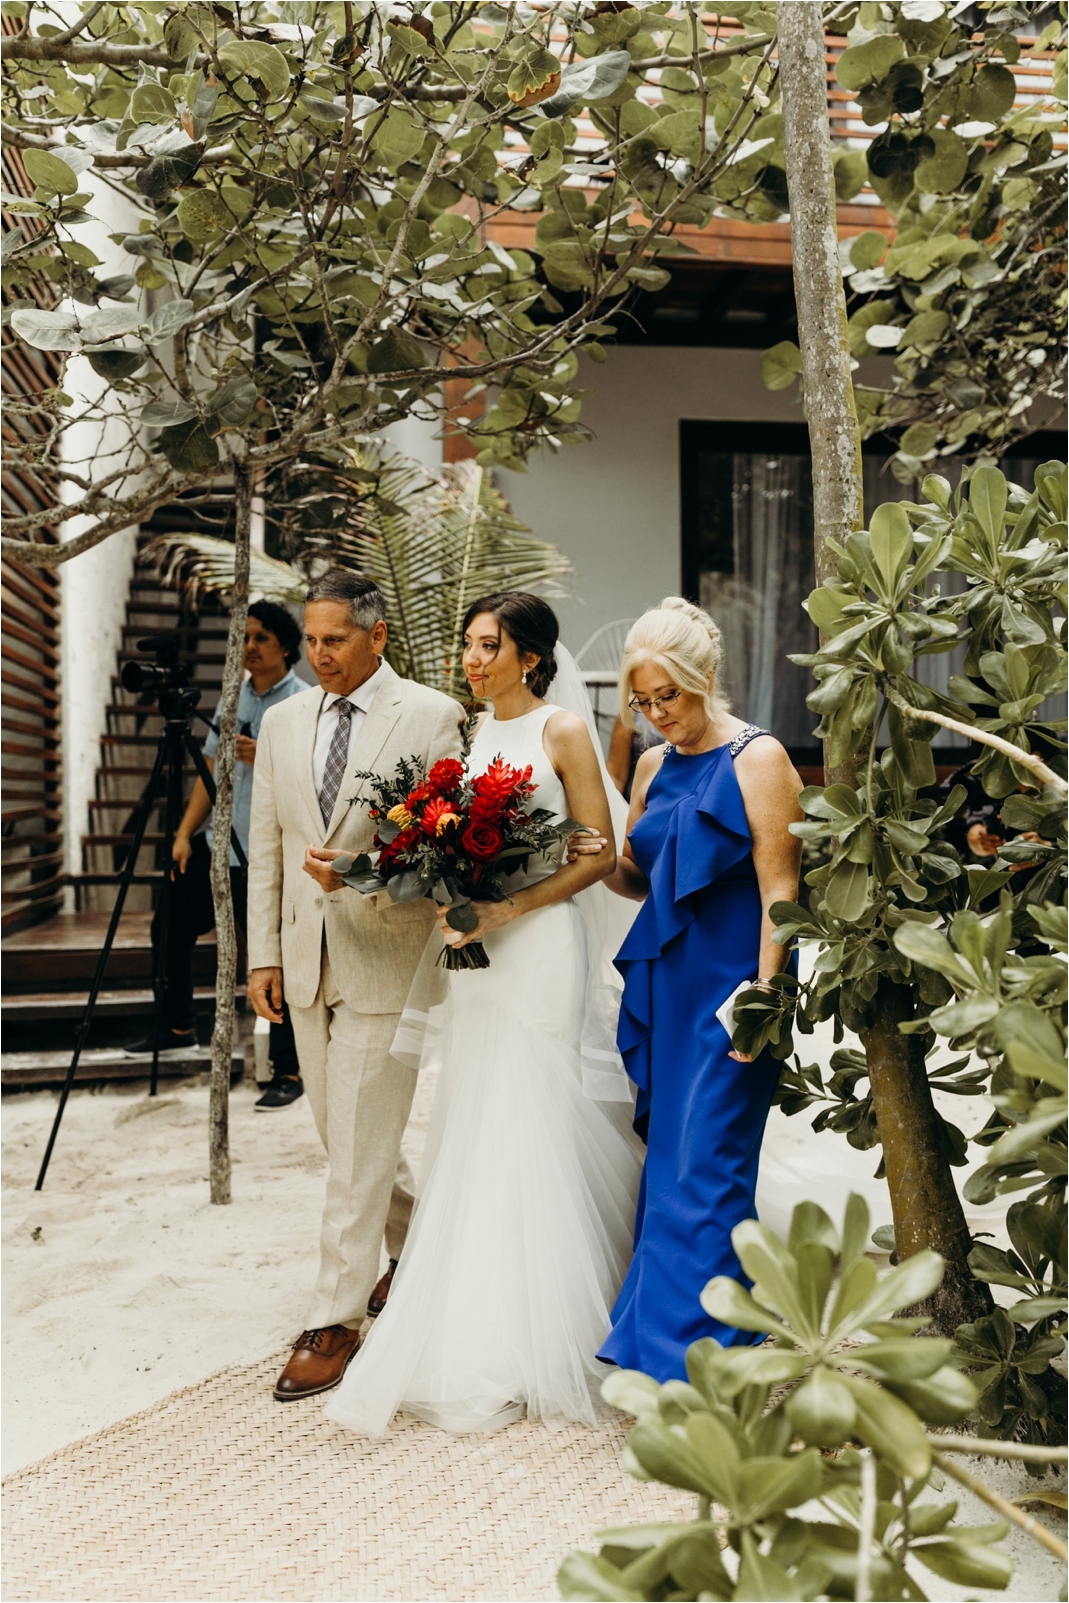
[[122, 1282]]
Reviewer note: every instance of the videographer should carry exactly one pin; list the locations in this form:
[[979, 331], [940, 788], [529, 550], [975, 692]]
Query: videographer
[[272, 646]]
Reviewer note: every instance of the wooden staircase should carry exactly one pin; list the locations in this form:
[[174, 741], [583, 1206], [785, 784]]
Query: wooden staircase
[[48, 968]]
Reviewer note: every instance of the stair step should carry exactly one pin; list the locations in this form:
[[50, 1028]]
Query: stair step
[[134, 1003], [23, 1069], [180, 633], [61, 954]]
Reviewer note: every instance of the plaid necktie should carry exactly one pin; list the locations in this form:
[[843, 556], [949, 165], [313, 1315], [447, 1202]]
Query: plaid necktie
[[336, 759]]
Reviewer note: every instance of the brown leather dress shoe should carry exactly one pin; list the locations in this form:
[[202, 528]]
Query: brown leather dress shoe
[[319, 1360], [377, 1301]]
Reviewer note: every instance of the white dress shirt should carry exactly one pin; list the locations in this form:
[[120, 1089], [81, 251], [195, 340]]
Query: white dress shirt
[[360, 700]]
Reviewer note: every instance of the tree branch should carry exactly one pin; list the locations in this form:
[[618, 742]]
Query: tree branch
[[1001, 1505], [983, 737], [78, 27], [985, 1447]]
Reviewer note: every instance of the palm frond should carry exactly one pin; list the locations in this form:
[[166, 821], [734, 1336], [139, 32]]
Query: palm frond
[[432, 545], [194, 563]]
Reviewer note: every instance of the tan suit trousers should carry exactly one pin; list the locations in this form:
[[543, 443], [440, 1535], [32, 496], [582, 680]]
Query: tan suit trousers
[[360, 1098]]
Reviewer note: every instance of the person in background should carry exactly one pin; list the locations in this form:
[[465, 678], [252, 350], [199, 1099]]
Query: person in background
[[272, 646], [625, 748]]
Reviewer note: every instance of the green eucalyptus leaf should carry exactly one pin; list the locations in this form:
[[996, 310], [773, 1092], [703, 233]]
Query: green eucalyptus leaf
[[50, 172]]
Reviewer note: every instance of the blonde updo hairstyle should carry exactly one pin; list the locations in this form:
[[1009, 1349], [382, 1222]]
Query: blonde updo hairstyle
[[681, 640]]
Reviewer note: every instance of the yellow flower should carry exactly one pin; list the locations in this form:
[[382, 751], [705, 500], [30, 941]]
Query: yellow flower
[[445, 821], [400, 816]]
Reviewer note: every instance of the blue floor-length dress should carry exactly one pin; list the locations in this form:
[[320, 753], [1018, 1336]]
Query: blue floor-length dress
[[696, 938]]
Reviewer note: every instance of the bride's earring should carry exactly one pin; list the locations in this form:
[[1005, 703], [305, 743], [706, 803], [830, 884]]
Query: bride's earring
[[524, 681]]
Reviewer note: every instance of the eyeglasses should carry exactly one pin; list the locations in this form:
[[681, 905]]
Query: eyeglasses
[[640, 704]]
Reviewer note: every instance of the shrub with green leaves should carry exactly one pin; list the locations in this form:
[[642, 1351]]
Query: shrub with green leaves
[[807, 1455], [918, 948]]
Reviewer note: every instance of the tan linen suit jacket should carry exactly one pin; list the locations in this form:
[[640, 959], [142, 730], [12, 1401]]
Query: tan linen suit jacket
[[374, 944]]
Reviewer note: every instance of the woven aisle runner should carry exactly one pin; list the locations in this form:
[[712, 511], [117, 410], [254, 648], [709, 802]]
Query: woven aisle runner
[[219, 1492]]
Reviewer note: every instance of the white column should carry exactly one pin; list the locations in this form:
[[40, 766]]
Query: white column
[[95, 585]]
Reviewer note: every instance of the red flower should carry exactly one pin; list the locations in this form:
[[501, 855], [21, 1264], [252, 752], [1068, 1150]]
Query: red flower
[[500, 782], [414, 797], [485, 810], [445, 776], [482, 841], [437, 809]]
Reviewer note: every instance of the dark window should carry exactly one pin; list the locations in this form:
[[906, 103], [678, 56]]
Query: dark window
[[747, 556]]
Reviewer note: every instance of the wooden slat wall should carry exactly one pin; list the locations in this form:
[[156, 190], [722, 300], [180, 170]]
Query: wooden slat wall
[[32, 869]]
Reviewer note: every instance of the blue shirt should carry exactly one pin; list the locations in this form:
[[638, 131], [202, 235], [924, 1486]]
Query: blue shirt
[[251, 709]]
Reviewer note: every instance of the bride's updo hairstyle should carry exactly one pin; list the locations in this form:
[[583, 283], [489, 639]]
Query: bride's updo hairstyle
[[532, 624], [681, 640]]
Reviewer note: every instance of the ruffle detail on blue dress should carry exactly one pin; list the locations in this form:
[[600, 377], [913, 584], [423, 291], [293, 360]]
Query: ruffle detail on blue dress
[[704, 835]]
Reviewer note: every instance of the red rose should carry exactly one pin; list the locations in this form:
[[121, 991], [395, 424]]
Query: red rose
[[445, 776], [482, 841]]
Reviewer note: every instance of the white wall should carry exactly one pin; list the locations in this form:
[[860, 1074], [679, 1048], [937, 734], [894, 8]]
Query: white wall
[[612, 505], [94, 586]]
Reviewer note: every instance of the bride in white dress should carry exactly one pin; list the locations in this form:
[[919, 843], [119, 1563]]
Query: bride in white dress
[[522, 1233]]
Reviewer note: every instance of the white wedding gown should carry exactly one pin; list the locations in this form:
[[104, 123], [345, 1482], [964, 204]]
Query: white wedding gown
[[522, 1233]]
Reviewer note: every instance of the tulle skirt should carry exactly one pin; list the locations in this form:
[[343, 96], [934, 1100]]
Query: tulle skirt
[[522, 1234]]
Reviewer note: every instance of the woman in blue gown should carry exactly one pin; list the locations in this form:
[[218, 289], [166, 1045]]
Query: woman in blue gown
[[708, 853]]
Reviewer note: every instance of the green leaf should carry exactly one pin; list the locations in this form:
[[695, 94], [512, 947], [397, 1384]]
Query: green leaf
[[1031, 1041], [780, 366], [582, 82], [848, 891], [632, 1392], [909, 1282], [233, 402], [150, 103], [991, 94], [261, 62], [47, 331], [168, 319], [396, 352], [724, 1299], [965, 1564], [987, 500], [585, 1576], [397, 138], [761, 1577], [928, 947], [537, 69], [892, 541], [869, 62], [188, 447], [116, 365], [166, 414], [822, 1411], [769, 1485], [890, 1428], [867, 250], [774, 1272], [914, 757], [50, 172], [203, 214], [941, 1399], [943, 171]]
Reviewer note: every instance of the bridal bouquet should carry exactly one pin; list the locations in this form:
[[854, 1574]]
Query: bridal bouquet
[[452, 837]]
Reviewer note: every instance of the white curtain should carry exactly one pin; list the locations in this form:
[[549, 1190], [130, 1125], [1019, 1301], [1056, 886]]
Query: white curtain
[[759, 605]]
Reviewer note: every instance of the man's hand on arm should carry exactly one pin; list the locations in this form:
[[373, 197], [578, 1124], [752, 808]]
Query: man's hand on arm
[[245, 750], [317, 861], [265, 993]]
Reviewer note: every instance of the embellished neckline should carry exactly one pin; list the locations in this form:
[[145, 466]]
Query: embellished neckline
[[734, 745]]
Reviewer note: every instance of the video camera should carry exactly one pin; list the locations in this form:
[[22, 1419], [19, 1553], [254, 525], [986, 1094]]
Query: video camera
[[156, 678]]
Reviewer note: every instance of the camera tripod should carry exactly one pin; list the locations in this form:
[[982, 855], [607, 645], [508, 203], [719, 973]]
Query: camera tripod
[[177, 703]]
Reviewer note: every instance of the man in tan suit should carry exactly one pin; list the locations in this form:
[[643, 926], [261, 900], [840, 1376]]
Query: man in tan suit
[[342, 961]]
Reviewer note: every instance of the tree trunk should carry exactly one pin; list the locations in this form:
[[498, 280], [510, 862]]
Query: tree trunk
[[924, 1200], [225, 931], [925, 1205], [834, 436]]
